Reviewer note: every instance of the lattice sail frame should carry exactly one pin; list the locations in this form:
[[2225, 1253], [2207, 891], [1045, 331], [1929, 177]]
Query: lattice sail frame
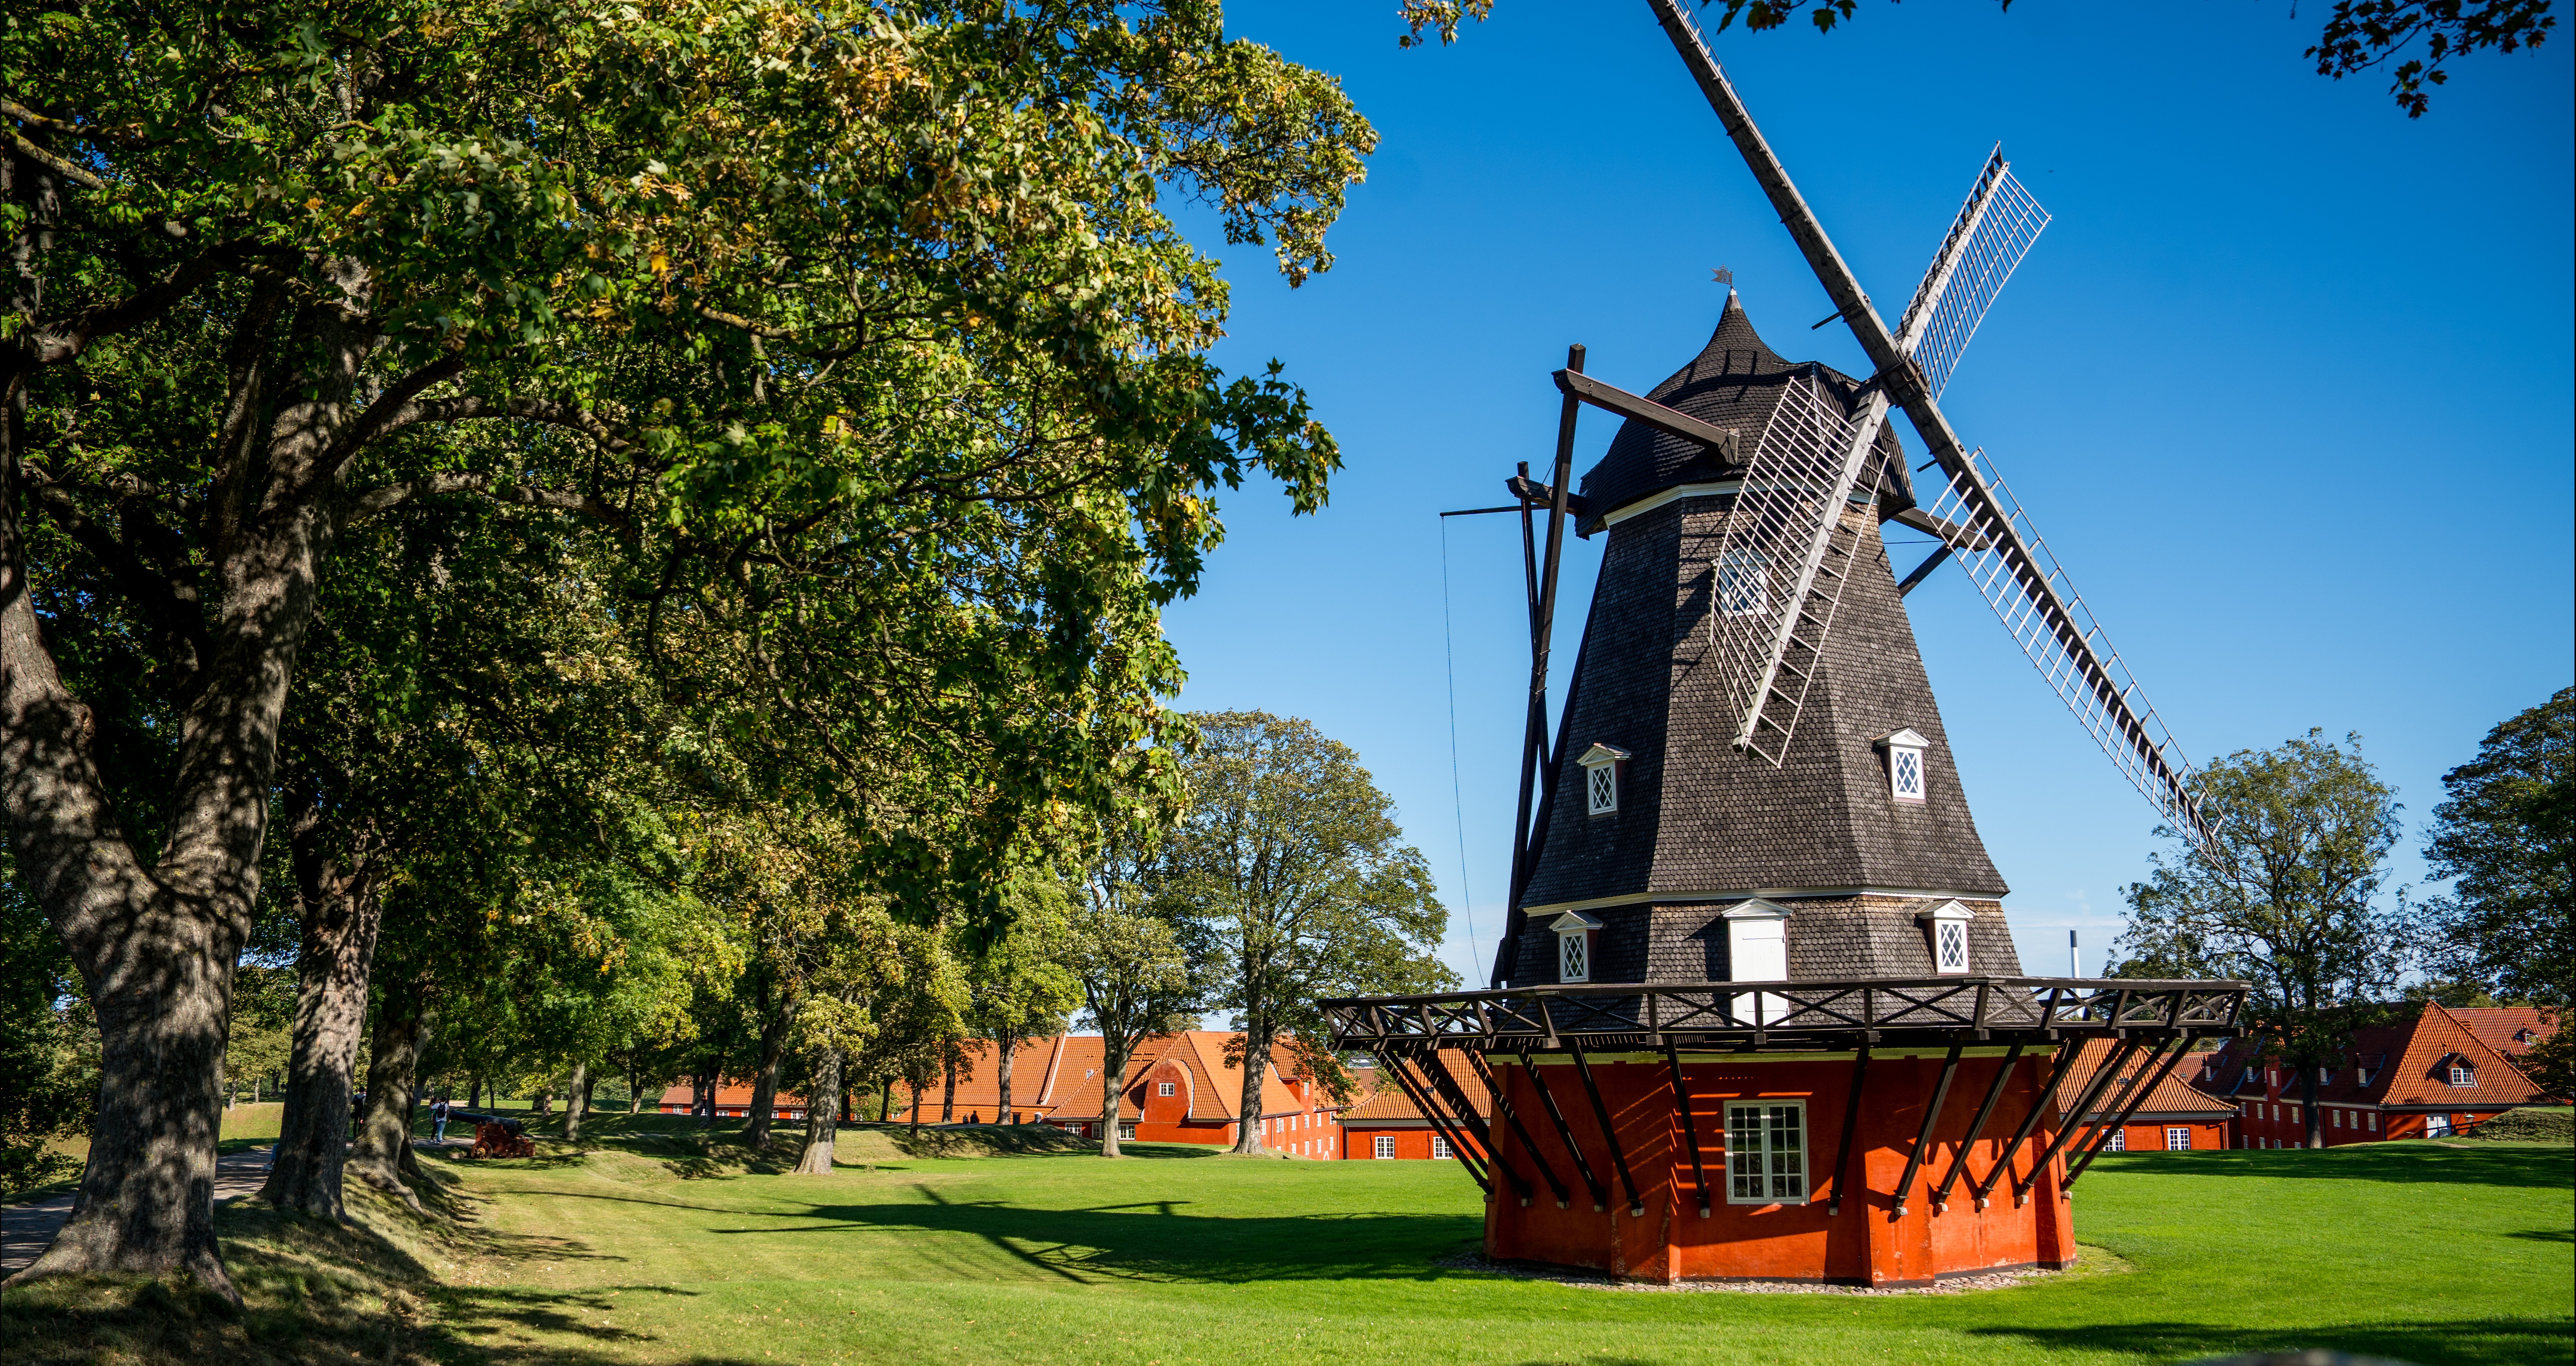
[[1784, 555], [1990, 560], [1995, 229], [1801, 543]]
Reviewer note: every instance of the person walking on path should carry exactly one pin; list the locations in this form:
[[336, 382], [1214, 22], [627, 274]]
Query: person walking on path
[[438, 1120], [357, 1110]]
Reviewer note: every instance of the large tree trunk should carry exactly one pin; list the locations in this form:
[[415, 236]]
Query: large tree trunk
[[948, 1096], [1113, 1089], [156, 945], [378, 1156], [1002, 1076], [634, 1087], [474, 1097], [576, 1102], [340, 912], [822, 1116], [764, 1083], [1257, 1037]]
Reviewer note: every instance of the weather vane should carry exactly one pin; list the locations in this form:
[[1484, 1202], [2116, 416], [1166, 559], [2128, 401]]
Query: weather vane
[[1723, 276]]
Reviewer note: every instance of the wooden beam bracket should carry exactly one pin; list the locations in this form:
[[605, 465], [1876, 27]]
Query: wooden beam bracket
[[1609, 1135], [1931, 1116]]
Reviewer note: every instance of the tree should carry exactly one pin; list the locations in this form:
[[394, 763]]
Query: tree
[[2359, 35], [2507, 836], [2281, 895], [1021, 989], [1137, 960], [899, 395], [1292, 862]]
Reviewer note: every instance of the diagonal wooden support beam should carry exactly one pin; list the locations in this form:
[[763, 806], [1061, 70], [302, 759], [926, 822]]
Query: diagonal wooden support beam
[[1976, 1127], [1459, 1149], [1690, 1127], [1463, 1111], [1851, 1127], [2066, 1055], [1609, 1135], [1931, 1116], [2181, 1046], [1503, 1107], [2074, 1118], [1565, 1133]]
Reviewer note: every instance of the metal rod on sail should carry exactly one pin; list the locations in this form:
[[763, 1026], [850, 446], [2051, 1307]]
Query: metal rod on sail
[[1535, 763]]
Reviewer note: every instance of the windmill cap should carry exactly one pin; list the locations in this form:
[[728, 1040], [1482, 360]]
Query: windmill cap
[[1735, 381]]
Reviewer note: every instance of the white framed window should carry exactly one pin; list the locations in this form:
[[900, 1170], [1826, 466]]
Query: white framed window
[[2119, 1142], [1439, 1146], [1602, 765], [2372, 1117], [1905, 773], [1577, 935], [2462, 1075], [1384, 1147], [2437, 1126], [1945, 928], [1766, 1152], [1126, 1131], [2177, 1140], [1164, 1088], [1743, 584]]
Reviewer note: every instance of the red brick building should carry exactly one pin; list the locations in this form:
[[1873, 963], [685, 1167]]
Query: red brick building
[[2177, 1116], [2430, 1077], [1383, 1123], [1182, 1091]]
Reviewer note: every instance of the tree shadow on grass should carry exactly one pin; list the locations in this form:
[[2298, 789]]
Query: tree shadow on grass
[[1157, 1240], [2398, 1162], [2469, 1342]]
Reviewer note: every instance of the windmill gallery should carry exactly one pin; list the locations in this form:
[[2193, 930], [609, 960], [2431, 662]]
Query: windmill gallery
[[1757, 1013]]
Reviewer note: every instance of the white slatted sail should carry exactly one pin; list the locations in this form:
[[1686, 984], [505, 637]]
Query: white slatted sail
[[2013, 567], [2020, 578], [1784, 555], [1994, 230]]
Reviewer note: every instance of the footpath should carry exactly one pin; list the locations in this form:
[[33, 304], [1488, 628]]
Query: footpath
[[26, 1229]]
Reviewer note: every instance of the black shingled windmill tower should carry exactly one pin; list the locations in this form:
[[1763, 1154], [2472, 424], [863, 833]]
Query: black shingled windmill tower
[[1750, 784]]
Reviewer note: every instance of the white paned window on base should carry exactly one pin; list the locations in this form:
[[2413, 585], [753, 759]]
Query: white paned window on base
[[1576, 936], [1946, 928], [1766, 1153]]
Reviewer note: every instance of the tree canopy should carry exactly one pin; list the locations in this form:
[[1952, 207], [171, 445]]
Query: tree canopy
[[2506, 835]]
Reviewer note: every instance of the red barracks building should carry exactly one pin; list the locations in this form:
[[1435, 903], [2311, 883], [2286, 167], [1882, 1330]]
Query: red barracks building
[[2174, 1117], [1386, 1124], [2430, 1077]]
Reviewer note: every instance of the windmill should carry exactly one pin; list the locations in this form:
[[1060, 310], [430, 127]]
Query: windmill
[[1755, 939]]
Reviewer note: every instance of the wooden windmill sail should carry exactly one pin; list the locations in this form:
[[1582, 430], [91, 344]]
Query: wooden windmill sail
[[1976, 515]]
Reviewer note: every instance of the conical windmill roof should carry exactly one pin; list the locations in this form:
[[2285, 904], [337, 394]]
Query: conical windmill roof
[[1735, 381], [1698, 827]]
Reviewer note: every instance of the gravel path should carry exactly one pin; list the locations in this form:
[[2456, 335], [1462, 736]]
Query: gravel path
[[26, 1229]]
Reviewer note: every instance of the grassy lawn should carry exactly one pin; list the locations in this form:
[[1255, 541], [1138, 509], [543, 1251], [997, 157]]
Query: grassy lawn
[[2417, 1251]]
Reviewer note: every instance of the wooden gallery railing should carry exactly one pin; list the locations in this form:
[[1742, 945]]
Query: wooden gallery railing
[[1409, 1034]]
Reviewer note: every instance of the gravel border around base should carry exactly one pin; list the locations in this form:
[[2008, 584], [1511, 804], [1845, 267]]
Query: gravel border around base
[[1596, 1280]]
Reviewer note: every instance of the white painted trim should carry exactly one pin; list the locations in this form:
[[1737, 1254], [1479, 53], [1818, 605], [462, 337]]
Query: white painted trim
[[1762, 893], [1574, 920], [1671, 495]]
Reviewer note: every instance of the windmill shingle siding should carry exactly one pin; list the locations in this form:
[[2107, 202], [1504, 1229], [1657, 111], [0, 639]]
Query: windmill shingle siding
[[1697, 817]]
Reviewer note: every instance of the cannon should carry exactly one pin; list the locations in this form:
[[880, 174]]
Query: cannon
[[496, 1135]]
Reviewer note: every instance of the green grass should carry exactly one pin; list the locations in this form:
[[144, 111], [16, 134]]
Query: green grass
[[633, 1253]]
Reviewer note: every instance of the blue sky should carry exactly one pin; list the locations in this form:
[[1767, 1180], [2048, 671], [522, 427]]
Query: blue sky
[[2286, 384]]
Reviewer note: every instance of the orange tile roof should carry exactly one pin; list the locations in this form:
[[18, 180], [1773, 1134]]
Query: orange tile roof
[[2407, 1065], [1384, 1101], [2496, 1026], [2173, 1098]]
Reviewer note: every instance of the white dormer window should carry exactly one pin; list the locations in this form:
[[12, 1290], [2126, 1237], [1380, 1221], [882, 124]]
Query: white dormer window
[[2463, 1075], [1904, 750], [1577, 936], [1945, 930], [1602, 765]]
